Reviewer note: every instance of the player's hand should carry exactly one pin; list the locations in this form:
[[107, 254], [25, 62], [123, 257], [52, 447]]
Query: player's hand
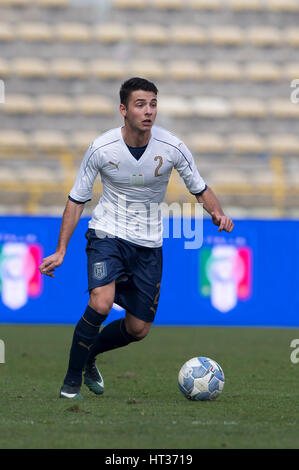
[[223, 222], [50, 263]]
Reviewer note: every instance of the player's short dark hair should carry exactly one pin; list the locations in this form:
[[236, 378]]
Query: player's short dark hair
[[134, 84]]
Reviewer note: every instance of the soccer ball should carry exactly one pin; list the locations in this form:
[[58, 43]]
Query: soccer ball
[[201, 378]]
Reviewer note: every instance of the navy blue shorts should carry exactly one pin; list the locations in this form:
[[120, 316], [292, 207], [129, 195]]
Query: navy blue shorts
[[137, 271]]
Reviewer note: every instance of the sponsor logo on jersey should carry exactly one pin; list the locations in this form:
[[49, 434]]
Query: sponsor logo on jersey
[[115, 164]]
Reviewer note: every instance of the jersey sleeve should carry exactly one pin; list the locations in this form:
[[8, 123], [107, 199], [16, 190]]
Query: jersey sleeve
[[187, 169], [81, 192]]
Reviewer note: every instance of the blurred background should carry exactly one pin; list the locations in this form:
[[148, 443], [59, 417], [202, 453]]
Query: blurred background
[[224, 70]]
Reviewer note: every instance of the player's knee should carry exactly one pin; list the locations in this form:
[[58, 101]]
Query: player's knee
[[138, 331], [100, 305], [103, 307]]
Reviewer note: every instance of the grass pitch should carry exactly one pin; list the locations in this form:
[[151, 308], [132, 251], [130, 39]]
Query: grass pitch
[[142, 406]]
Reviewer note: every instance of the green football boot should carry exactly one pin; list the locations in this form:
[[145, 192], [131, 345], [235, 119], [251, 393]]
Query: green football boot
[[93, 378], [70, 391]]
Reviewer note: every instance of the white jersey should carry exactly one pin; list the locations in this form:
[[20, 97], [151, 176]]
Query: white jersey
[[133, 190]]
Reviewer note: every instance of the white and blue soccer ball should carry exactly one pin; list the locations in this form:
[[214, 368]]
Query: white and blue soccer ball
[[201, 378]]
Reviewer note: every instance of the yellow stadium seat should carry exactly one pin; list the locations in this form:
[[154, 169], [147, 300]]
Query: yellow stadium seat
[[247, 5], [40, 32], [150, 34], [129, 4], [72, 32], [55, 104], [264, 36], [263, 72], [6, 32], [81, 140], [107, 69], [184, 70], [15, 3], [206, 4], [18, 104], [11, 140], [228, 176], [4, 68], [34, 173], [94, 105], [149, 69], [213, 107], [175, 106], [28, 67], [7, 174], [291, 71], [111, 32], [68, 68], [246, 143], [49, 140], [53, 3], [226, 35], [187, 34], [282, 5], [283, 108], [168, 4], [263, 177], [284, 144], [292, 36], [249, 107], [223, 71], [207, 143]]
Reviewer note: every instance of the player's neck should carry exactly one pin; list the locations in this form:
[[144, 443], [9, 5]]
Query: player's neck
[[135, 138]]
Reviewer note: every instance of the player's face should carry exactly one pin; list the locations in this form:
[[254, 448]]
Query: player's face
[[141, 110]]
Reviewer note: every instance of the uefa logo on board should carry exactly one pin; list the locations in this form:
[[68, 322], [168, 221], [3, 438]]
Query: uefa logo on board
[[225, 275], [20, 278]]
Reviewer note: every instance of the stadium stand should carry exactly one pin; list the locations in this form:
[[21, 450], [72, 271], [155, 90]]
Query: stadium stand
[[111, 33], [38, 32], [72, 32], [223, 69], [28, 67]]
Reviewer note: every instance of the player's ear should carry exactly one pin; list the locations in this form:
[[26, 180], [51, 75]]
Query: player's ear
[[123, 110]]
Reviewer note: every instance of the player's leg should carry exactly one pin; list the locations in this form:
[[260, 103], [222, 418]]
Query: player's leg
[[136, 327], [85, 334], [119, 333], [140, 298], [139, 295], [116, 334], [104, 265]]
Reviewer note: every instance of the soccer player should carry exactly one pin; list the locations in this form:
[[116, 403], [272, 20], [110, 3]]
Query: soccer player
[[124, 236]]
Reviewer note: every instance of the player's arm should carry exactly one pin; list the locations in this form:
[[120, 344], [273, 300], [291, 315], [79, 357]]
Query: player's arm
[[70, 219], [213, 207]]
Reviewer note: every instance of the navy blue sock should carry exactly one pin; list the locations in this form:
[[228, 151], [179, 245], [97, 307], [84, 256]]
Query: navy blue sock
[[85, 335], [113, 336]]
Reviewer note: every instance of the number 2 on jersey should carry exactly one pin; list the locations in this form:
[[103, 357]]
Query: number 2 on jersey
[[159, 165]]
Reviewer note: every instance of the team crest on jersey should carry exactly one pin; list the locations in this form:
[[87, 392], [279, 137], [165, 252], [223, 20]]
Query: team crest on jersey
[[100, 270], [137, 180]]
